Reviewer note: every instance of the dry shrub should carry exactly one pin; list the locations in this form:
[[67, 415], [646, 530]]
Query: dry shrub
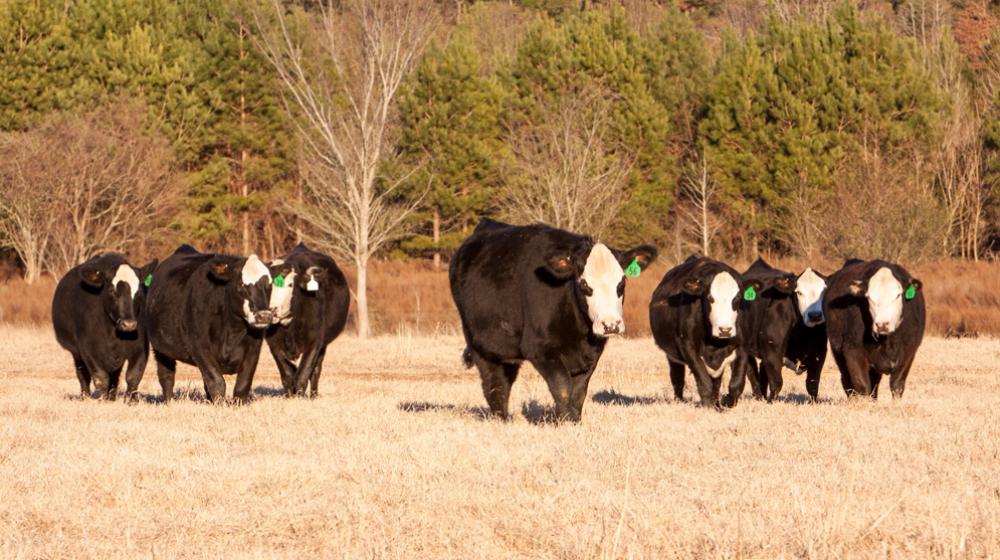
[[963, 298]]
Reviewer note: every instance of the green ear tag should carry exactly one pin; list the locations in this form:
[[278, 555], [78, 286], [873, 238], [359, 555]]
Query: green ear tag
[[910, 292], [750, 294], [148, 280], [633, 270], [279, 281]]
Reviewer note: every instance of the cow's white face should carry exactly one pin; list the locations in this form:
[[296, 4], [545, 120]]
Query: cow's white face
[[721, 305], [603, 285], [256, 280], [885, 302], [281, 300], [809, 289], [126, 274]]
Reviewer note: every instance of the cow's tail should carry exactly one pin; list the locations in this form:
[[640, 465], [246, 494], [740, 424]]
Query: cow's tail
[[467, 357]]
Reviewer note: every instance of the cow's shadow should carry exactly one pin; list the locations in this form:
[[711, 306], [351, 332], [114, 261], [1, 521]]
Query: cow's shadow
[[788, 398], [186, 394], [610, 397], [476, 412]]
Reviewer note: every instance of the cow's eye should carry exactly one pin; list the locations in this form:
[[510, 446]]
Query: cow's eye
[[585, 288], [621, 287]]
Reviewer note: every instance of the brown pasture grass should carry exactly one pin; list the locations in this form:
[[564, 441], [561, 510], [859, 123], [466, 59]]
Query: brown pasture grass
[[963, 298], [394, 460]]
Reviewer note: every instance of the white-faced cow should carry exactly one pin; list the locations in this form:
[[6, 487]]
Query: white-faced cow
[[544, 295], [875, 321], [96, 317], [694, 316], [210, 311], [310, 299], [784, 326]]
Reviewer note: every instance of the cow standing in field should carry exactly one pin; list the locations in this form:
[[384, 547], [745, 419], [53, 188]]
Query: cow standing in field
[[211, 311], [785, 325], [310, 305], [96, 317], [875, 321], [694, 318], [544, 295]]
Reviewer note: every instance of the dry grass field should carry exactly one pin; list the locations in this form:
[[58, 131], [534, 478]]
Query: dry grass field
[[394, 460]]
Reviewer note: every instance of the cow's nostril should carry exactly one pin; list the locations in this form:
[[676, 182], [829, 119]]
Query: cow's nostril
[[725, 331], [815, 316], [127, 325]]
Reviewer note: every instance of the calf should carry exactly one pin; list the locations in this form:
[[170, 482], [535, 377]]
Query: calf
[[544, 295], [875, 321], [95, 314], [785, 325], [694, 318], [310, 304], [210, 311]]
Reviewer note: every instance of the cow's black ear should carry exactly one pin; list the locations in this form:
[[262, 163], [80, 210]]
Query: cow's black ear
[[694, 286], [560, 265], [784, 283], [912, 287], [857, 288], [147, 271], [316, 272], [220, 269], [643, 255], [92, 276]]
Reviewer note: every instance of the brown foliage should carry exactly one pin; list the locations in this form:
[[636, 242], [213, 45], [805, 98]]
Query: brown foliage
[[963, 298]]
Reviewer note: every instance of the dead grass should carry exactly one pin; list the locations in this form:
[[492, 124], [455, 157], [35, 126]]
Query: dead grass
[[963, 298], [394, 460]]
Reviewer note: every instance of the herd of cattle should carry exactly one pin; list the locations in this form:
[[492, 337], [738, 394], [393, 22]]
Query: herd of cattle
[[524, 293]]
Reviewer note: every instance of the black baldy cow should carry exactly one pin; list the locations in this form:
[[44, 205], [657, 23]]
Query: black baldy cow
[[96, 316], [544, 295], [210, 311], [875, 322], [785, 325], [310, 300], [694, 318]]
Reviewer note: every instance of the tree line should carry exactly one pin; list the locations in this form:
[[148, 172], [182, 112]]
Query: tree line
[[387, 129]]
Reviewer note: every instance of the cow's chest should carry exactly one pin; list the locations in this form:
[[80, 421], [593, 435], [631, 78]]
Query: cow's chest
[[886, 356], [718, 359]]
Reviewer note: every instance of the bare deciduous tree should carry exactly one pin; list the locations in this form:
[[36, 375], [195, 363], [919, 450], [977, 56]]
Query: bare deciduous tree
[[76, 186], [341, 76], [568, 173], [699, 193]]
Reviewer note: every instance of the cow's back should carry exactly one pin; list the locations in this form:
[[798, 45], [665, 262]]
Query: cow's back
[[671, 311], [72, 307], [170, 300], [315, 320]]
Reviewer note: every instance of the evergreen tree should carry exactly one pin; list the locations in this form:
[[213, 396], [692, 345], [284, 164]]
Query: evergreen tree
[[451, 135]]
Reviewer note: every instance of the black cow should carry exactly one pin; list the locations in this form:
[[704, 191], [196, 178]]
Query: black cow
[[95, 314], [211, 311], [875, 321], [539, 294], [784, 326], [693, 315], [310, 299]]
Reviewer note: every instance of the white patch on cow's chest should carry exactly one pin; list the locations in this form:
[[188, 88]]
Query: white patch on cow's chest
[[885, 300], [126, 274], [602, 274], [254, 270], [809, 290], [722, 312], [717, 372]]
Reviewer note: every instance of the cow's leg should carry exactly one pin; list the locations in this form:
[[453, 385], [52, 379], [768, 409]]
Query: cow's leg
[[101, 379], [814, 367], [244, 378], [133, 375], [496, 379], [897, 381], [578, 391], [874, 378], [314, 378], [561, 386], [845, 376], [856, 368], [113, 378], [737, 380], [677, 379], [708, 388], [758, 386], [82, 375], [306, 367], [287, 370], [771, 364], [166, 368]]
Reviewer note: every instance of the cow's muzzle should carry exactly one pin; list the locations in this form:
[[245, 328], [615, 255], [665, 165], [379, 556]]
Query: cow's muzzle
[[127, 325], [262, 319]]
